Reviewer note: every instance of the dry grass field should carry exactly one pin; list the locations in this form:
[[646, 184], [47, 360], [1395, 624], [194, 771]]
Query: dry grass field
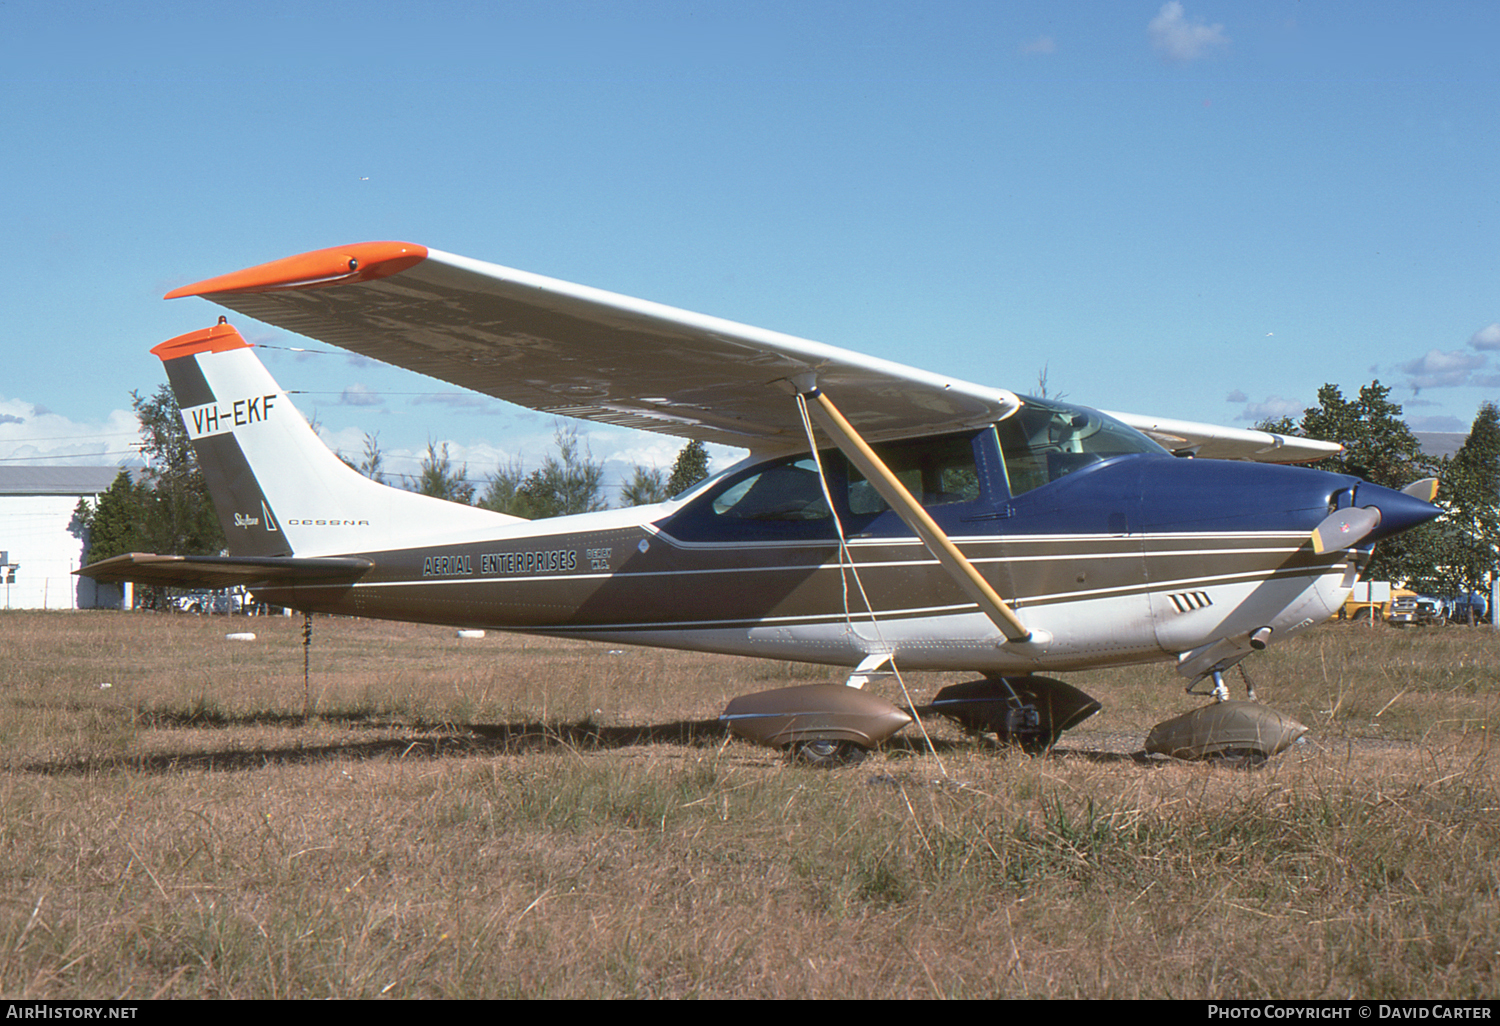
[[510, 817]]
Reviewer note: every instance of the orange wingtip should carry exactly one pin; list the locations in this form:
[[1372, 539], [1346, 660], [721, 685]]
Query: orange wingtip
[[341, 265], [218, 339]]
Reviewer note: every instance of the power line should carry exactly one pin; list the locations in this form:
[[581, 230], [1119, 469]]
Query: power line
[[68, 456], [85, 438]]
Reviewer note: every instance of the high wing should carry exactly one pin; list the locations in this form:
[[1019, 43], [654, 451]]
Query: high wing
[[576, 351], [581, 352], [1225, 443]]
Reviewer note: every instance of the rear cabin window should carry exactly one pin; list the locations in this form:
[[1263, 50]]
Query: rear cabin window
[[785, 491], [1044, 441]]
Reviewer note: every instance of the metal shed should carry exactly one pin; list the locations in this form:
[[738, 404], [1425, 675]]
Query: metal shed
[[40, 542]]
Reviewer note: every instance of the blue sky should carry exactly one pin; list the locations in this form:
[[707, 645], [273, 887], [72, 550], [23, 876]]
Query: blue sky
[[1202, 210]]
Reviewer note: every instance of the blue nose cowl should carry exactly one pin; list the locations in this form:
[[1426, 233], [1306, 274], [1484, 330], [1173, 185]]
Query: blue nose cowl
[[1398, 511]]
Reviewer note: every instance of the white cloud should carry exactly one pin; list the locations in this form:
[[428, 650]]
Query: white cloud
[[359, 395], [1274, 408], [32, 436], [1041, 44], [1486, 338], [1442, 370], [1237, 397], [1179, 40]]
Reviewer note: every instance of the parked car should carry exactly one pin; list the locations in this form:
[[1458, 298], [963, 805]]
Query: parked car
[[1458, 608], [1373, 598], [1415, 610], [232, 600]]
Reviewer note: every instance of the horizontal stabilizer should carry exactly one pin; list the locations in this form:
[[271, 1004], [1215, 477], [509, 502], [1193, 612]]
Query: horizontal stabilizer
[[225, 571]]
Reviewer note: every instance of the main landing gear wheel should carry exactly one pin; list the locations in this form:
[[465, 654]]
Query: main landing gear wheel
[[1028, 712], [816, 724], [827, 754]]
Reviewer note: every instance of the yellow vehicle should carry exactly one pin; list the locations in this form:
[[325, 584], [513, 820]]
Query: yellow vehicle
[[1373, 598]]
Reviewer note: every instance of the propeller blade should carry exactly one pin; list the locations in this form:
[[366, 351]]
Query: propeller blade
[[1425, 489], [1346, 528]]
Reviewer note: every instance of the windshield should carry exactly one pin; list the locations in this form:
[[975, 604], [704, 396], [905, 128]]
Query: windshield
[[1045, 440]]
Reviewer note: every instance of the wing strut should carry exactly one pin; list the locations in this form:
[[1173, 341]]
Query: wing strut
[[894, 492]]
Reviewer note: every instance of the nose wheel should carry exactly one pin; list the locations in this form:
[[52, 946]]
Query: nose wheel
[[1220, 690], [1239, 733]]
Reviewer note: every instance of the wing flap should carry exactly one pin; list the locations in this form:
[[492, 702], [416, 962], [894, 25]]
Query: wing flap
[[225, 571]]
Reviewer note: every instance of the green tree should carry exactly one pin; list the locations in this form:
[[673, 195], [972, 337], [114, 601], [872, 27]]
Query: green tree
[[113, 525], [568, 482], [1378, 446], [1480, 456], [1462, 549], [690, 467], [1279, 426], [179, 515], [647, 485], [164, 507], [1381, 449], [372, 464], [503, 494], [438, 478]]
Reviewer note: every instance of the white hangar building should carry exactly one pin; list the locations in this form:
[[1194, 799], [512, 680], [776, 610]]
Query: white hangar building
[[42, 545]]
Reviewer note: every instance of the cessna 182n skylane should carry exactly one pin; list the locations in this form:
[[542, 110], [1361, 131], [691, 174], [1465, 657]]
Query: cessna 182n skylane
[[884, 517]]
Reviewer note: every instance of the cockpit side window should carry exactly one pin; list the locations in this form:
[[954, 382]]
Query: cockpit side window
[[1044, 441], [937, 472]]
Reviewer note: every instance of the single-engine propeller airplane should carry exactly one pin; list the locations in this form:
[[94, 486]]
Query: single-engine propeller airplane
[[885, 517]]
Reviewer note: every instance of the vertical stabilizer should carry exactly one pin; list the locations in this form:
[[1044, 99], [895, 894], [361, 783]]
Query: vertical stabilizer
[[277, 488]]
